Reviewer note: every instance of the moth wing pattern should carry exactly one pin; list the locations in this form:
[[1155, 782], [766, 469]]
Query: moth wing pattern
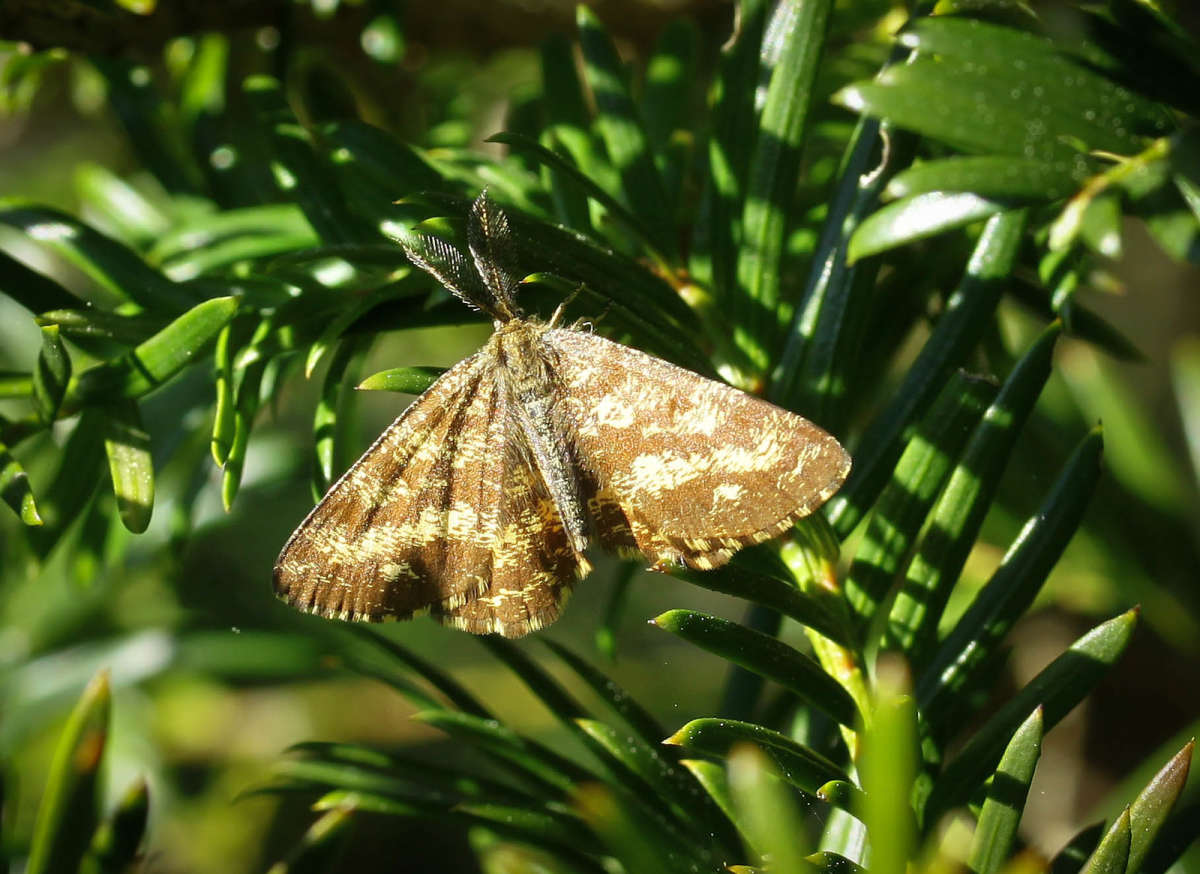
[[385, 540], [682, 468], [444, 513], [534, 565]]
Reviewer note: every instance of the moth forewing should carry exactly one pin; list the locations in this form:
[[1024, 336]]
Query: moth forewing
[[696, 469], [382, 543]]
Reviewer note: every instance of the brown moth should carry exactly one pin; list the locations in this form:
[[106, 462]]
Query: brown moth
[[477, 504]]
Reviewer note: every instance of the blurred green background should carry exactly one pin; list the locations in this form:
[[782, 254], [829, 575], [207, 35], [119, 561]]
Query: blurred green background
[[213, 678]]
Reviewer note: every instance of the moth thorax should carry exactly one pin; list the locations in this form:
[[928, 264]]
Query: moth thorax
[[519, 350]]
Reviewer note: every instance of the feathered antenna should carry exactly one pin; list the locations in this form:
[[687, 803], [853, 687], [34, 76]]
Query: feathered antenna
[[486, 281], [491, 242]]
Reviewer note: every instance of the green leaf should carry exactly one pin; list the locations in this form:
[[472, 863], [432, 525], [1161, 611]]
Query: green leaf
[[670, 82], [247, 398], [134, 95], [66, 816], [664, 783], [367, 802], [112, 266], [286, 328], [1149, 49], [765, 656], [842, 795], [767, 810], [114, 847], [743, 688], [834, 863], [1071, 857], [629, 836], [967, 313], [357, 776], [31, 289], [322, 845], [585, 184], [202, 85], [991, 177], [1138, 457], [741, 581], [123, 207], [332, 416], [605, 635], [155, 361], [127, 446], [953, 524], [299, 174], [799, 765], [621, 130], [405, 380], [394, 167], [798, 31], [15, 489], [822, 352], [1177, 836], [1084, 323], [441, 680], [76, 478], [51, 376], [1013, 586], [714, 252], [1100, 226], [571, 714], [97, 542], [402, 777], [887, 766], [918, 217], [547, 690], [712, 778], [91, 324], [16, 384], [567, 132], [915, 484], [1075, 93], [1003, 91], [1150, 809], [667, 104], [336, 329], [997, 829], [224, 424], [352, 267], [1058, 689], [557, 832], [230, 254], [188, 250], [1112, 855], [519, 755], [623, 704]]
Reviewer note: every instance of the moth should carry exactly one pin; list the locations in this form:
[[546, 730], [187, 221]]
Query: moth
[[477, 504]]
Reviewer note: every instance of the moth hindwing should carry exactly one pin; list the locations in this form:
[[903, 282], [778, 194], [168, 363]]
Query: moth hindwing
[[476, 504]]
